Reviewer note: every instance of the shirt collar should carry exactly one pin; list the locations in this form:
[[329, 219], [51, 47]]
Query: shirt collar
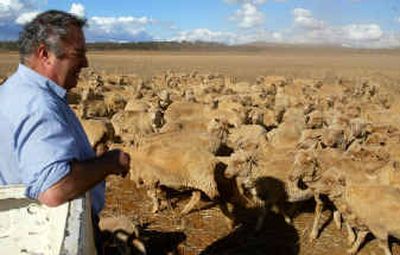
[[44, 82]]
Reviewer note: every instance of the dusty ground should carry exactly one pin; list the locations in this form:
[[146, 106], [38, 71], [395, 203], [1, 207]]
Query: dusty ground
[[297, 62], [206, 230]]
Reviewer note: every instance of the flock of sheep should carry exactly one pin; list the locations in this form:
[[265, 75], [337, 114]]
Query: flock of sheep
[[236, 142]]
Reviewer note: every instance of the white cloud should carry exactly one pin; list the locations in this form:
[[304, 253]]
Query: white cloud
[[277, 36], [125, 28], [10, 9], [13, 13], [388, 40], [260, 35], [398, 19], [7, 6], [109, 23], [78, 10], [304, 18], [26, 17], [248, 16], [205, 35], [308, 29], [363, 32]]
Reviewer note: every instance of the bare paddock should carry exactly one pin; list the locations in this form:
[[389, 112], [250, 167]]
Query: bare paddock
[[324, 76]]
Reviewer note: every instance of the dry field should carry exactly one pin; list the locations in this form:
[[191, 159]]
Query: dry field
[[295, 62], [206, 230]]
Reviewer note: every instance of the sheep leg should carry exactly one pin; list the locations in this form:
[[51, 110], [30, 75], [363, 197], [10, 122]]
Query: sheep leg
[[285, 214], [384, 244], [153, 195], [279, 208], [129, 242], [318, 212], [261, 216], [138, 246], [337, 218], [360, 239], [194, 200], [227, 211], [351, 237]]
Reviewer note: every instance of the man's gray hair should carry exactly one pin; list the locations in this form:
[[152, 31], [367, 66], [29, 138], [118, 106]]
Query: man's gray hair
[[49, 28]]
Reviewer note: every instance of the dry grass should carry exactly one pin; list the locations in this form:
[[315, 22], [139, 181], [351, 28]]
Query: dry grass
[[296, 62]]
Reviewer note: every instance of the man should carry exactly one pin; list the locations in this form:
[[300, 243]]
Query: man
[[42, 143]]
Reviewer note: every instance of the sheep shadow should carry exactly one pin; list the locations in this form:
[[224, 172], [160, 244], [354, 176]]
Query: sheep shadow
[[275, 235], [158, 242], [155, 242]]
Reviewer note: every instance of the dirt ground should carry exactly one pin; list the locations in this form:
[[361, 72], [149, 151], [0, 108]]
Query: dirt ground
[[318, 63], [206, 230]]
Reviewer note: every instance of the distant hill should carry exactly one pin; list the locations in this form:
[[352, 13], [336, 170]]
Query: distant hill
[[199, 46], [8, 46], [154, 46], [157, 46]]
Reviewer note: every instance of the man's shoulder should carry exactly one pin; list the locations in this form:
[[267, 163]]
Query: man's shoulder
[[23, 97]]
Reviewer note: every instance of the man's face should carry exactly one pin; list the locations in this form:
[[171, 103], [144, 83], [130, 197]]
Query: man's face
[[65, 69]]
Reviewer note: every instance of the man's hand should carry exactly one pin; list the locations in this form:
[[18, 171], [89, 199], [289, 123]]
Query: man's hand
[[118, 162]]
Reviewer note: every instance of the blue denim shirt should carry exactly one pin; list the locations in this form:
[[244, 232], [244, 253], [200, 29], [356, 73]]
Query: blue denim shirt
[[40, 135]]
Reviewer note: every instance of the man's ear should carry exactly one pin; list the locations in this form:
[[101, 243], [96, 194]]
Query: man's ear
[[43, 54]]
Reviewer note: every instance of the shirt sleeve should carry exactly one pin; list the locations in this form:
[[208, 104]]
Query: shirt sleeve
[[44, 147]]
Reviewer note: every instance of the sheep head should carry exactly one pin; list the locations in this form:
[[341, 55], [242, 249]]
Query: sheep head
[[305, 169], [241, 164]]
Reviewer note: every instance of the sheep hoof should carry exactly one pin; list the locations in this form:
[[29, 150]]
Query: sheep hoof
[[288, 219], [154, 210], [351, 251], [138, 246], [313, 236], [351, 238]]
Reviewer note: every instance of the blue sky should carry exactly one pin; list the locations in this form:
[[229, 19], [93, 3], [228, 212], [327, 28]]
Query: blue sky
[[352, 23]]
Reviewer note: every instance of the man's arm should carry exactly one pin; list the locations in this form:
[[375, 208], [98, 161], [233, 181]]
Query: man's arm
[[84, 175]]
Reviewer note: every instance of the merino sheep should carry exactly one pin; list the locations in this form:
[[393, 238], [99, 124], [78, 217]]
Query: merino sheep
[[130, 126], [136, 105], [288, 133], [263, 174], [210, 140], [379, 219], [175, 166], [100, 132], [115, 101], [93, 109], [353, 202], [179, 160], [325, 172], [246, 137]]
